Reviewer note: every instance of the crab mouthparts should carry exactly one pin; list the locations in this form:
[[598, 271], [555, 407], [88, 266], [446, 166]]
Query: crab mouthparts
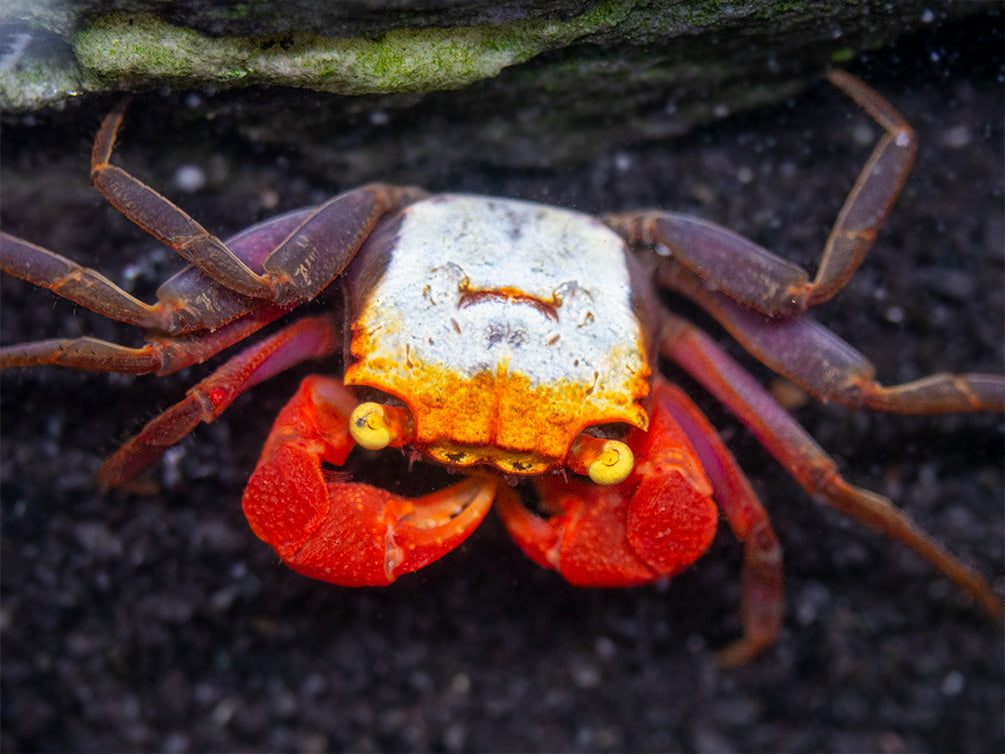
[[375, 426]]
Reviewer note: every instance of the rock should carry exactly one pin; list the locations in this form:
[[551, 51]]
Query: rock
[[530, 84]]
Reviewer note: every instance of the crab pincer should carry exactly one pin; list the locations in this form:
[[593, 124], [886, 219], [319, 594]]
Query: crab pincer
[[348, 533]]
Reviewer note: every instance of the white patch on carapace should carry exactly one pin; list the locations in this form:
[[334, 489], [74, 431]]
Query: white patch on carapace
[[475, 283]]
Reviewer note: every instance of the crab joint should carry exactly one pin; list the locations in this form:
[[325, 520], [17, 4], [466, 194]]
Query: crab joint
[[376, 426], [604, 461]]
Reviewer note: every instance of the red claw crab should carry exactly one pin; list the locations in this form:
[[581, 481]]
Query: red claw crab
[[516, 343]]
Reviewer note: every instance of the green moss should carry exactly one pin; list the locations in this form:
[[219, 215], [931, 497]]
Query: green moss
[[123, 48], [843, 55], [699, 14], [39, 79]]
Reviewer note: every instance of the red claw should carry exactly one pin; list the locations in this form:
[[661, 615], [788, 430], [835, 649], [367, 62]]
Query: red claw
[[348, 533], [358, 535], [654, 524]]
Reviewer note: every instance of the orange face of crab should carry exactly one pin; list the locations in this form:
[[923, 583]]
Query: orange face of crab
[[479, 324]]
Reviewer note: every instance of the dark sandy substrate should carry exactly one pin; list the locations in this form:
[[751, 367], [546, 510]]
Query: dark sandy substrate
[[155, 620]]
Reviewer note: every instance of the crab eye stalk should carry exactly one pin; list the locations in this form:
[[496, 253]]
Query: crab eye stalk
[[604, 461], [375, 426]]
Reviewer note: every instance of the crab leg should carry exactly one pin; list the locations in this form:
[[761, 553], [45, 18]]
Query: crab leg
[[77, 283], [758, 278], [762, 600], [341, 532], [793, 447], [163, 354], [809, 354], [300, 267], [166, 221], [728, 261], [186, 302], [877, 188], [308, 338]]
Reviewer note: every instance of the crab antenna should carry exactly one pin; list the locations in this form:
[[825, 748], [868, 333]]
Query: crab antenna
[[604, 461], [375, 426]]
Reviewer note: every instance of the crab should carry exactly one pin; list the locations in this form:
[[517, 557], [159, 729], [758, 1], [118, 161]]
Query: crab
[[515, 344]]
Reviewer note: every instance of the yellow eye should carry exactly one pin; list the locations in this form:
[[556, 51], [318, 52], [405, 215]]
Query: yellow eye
[[613, 465], [376, 426], [604, 461], [368, 426]]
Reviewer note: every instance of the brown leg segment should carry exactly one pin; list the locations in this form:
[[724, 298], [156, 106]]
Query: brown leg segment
[[166, 221], [90, 354], [163, 354], [877, 188], [316, 253], [76, 283], [186, 302], [758, 278], [806, 461]]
